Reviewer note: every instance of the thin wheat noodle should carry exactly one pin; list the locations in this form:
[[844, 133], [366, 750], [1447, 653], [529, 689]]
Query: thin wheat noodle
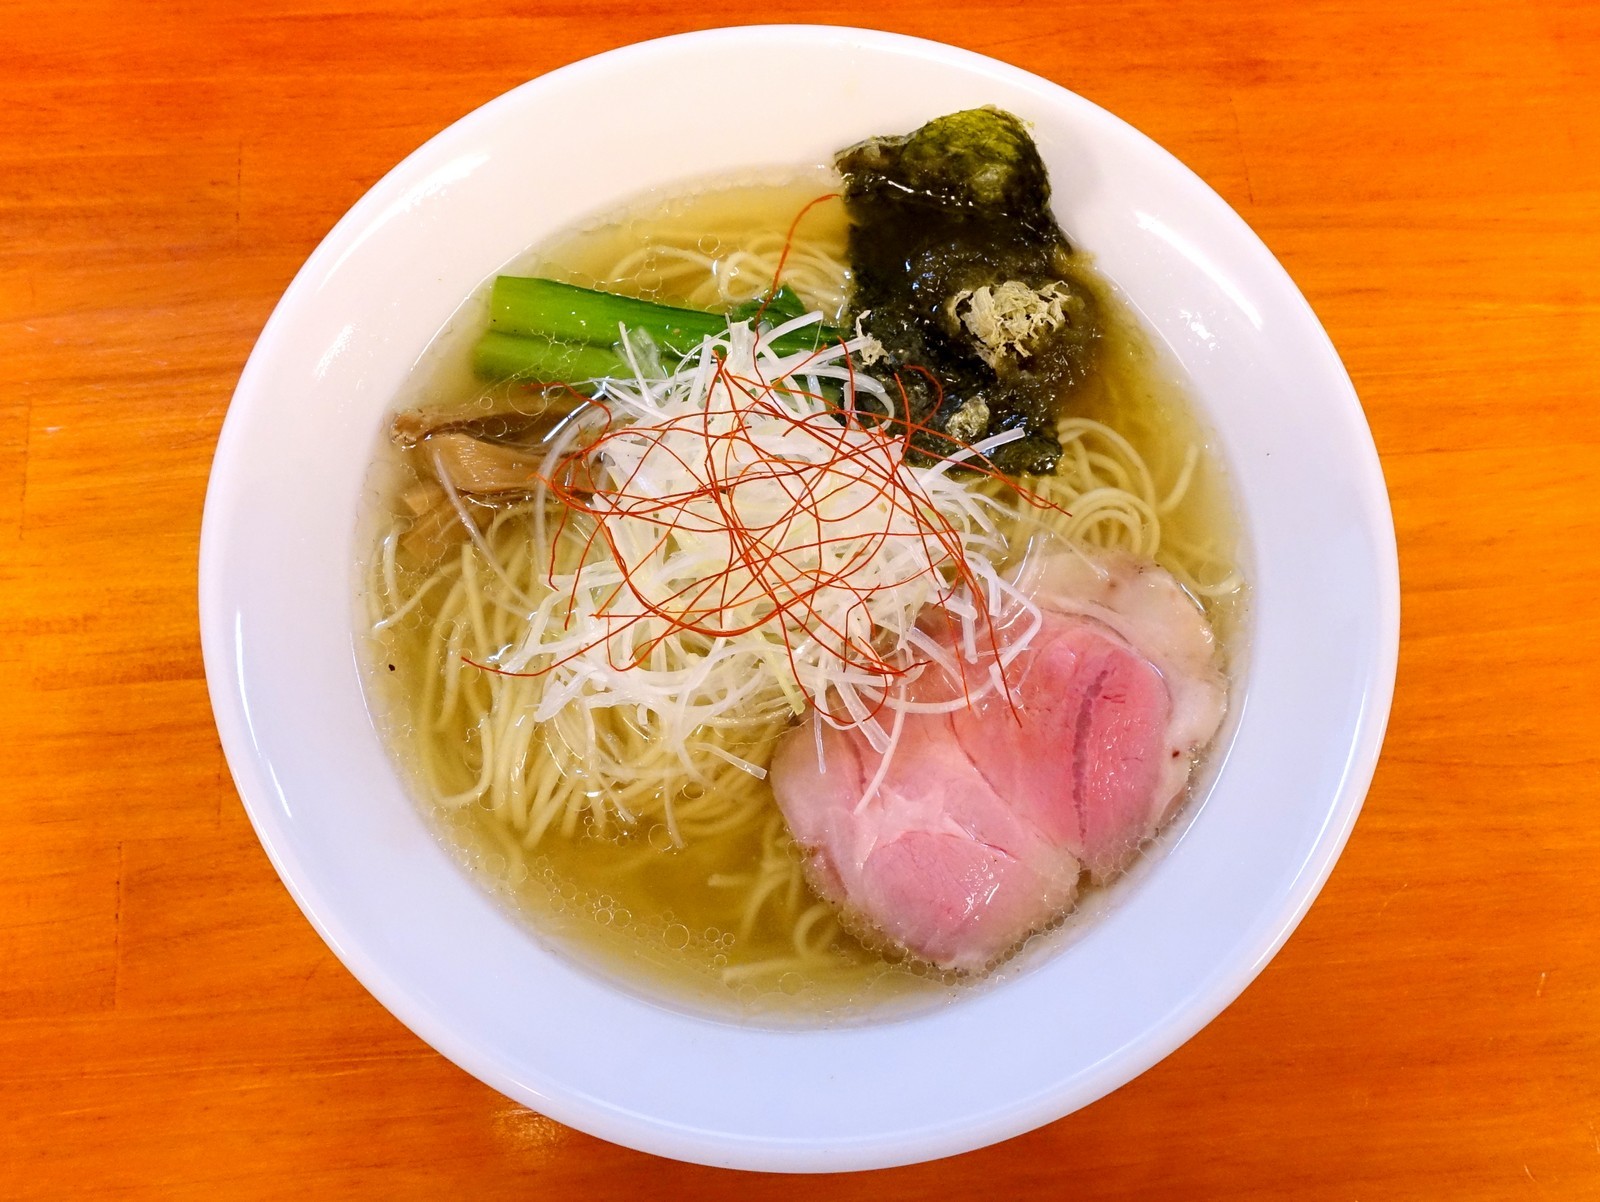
[[589, 771]]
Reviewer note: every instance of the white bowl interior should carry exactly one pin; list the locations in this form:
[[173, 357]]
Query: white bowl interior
[[278, 560]]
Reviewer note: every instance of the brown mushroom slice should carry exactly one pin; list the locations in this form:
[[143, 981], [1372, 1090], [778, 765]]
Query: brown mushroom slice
[[535, 422], [411, 426], [473, 465]]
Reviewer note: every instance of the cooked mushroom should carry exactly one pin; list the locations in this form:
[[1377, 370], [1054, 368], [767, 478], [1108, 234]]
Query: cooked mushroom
[[480, 467]]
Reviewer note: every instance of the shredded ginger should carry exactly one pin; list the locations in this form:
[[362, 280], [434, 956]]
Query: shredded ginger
[[748, 545]]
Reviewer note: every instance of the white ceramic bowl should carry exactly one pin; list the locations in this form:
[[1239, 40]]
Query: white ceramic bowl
[[278, 562]]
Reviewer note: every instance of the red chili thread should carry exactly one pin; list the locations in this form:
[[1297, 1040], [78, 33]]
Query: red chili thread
[[791, 577], [788, 244]]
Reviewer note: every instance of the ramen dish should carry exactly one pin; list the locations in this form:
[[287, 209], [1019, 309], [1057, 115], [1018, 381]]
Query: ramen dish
[[802, 592]]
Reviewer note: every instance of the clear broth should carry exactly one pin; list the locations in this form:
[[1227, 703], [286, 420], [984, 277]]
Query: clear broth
[[623, 901]]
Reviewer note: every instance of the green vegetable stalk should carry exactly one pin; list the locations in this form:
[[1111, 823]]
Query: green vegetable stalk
[[500, 356], [552, 332]]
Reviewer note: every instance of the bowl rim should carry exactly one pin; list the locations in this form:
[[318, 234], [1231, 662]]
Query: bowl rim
[[641, 1131]]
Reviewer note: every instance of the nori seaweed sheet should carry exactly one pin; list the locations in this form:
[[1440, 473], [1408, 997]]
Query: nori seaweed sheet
[[957, 205]]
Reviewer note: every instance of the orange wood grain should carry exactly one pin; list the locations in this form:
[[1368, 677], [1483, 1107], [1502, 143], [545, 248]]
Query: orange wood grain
[[170, 1027]]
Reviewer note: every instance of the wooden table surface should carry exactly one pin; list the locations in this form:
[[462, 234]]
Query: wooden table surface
[[171, 1027]]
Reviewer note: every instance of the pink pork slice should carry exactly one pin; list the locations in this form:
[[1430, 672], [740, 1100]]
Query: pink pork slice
[[984, 819]]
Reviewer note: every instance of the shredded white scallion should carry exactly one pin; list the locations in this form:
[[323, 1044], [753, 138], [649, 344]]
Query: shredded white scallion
[[739, 541]]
